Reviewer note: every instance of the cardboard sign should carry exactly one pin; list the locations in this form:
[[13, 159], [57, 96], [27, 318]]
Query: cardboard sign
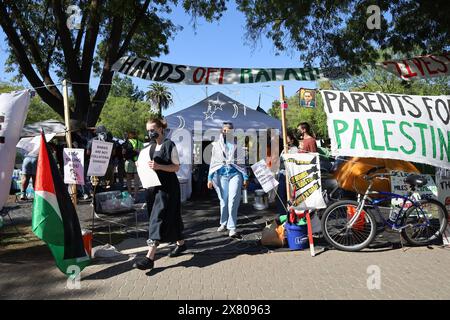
[[303, 171], [389, 126], [264, 176], [398, 186], [73, 166], [100, 155], [148, 176]]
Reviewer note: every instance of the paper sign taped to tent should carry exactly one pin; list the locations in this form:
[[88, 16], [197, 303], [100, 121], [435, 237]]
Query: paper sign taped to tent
[[264, 176], [303, 171], [100, 155], [398, 186], [389, 126], [73, 166]]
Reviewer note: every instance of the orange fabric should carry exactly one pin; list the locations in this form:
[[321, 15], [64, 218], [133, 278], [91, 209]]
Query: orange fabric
[[360, 222], [351, 173]]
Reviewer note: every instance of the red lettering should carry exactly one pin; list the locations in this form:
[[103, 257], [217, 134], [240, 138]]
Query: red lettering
[[222, 71], [210, 70], [418, 65], [410, 73], [397, 66], [446, 55], [434, 58], [194, 77], [426, 65]]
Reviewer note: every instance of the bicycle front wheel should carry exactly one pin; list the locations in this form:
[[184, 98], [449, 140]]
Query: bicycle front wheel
[[337, 232], [426, 222]]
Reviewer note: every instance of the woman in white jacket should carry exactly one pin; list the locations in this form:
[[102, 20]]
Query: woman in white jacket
[[227, 174]]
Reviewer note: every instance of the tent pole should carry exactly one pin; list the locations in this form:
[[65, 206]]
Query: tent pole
[[73, 187], [283, 107]]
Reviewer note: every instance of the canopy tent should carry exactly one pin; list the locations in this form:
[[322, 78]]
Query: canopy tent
[[212, 112], [49, 126], [218, 108]]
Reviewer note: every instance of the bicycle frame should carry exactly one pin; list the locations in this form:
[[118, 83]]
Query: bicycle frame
[[394, 225]]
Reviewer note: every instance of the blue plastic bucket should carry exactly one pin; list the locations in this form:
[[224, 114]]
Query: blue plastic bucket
[[297, 236]]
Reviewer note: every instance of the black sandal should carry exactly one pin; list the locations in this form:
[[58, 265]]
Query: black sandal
[[178, 250], [144, 263]]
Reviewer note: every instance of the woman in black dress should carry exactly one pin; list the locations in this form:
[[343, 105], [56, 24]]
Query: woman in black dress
[[163, 202]]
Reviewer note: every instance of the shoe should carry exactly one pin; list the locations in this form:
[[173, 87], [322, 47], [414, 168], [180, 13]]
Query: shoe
[[221, 228], [85, 196], [177, 251], [235, 235], [144, 263]]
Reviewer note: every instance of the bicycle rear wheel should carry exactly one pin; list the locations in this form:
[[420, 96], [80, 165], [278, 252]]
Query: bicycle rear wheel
[[420, 232], [336, 232]]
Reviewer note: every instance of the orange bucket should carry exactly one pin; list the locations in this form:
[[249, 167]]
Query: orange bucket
[[87, 241], [360, 222]]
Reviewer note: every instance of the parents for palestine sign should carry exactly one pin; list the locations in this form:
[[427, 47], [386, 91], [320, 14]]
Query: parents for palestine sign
[[393, 126]]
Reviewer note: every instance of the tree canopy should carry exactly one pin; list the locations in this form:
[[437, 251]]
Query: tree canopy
[[41, 44]]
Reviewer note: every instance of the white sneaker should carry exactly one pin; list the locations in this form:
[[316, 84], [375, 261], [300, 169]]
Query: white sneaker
[[221, 228], [235, 235]]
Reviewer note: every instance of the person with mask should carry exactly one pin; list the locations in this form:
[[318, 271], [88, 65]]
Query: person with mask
[[164, 201], [227, 175]]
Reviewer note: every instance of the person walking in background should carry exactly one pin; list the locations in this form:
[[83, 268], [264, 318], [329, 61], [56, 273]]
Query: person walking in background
[[227, 175], [164, 201], [29, 167], [131, 150]]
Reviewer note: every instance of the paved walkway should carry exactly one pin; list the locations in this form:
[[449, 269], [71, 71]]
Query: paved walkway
[[219, 268]]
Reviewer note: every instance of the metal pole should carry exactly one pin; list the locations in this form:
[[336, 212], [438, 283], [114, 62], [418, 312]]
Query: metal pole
[[73, 187], [283, 107]]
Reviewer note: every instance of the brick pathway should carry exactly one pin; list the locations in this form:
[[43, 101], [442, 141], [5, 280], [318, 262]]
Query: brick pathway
[[219, 268]]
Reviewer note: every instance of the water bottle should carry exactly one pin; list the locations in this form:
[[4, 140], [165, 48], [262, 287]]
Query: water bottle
[[393, 214], [244, 196], [30, 191]]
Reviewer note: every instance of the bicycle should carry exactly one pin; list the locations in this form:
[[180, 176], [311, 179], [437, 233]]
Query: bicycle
[[351, 225]]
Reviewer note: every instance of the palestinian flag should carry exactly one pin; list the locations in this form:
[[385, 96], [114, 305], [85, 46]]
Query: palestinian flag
[[54, 218]]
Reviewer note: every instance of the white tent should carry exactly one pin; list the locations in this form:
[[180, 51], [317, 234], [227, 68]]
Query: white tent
[[212, 112], [49, 126], [218, 108]]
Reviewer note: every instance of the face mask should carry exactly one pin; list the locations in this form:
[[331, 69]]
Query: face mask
[[153, 135], [102, 136]]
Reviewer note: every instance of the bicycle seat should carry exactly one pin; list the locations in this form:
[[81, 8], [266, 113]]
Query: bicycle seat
[[416, 180]]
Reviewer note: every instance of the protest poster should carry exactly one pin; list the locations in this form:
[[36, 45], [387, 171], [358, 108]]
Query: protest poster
[[192, 75], [100, 155], [13, 111], [398, 186], [421, 67], [148, 176], [389, 126], [307, 98], [264, 176], [73, 166], [303, 171]]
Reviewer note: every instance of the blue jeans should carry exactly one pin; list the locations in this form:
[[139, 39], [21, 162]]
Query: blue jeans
[[228, 190]]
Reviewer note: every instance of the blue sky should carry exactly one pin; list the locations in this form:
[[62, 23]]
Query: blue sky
[[221, 44]]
